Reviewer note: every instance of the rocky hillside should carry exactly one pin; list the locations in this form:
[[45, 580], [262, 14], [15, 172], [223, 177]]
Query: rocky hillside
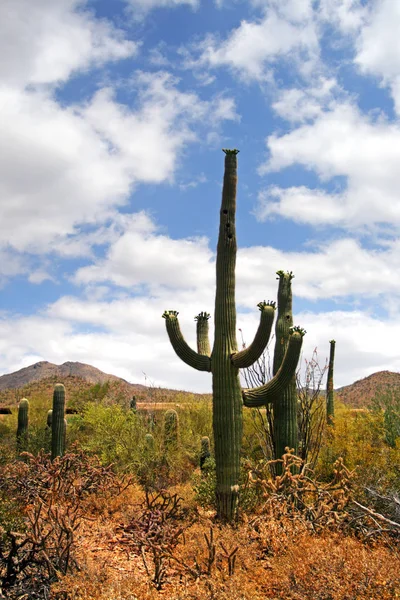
[[360, 393]]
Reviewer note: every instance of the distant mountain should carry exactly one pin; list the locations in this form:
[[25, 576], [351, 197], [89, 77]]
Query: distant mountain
[[360, 393], [45, 370], [38, 381]]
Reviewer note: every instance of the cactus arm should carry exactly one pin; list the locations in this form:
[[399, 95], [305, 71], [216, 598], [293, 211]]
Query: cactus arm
[[182, 349], [203, 343], [271, 391], [246, 357], [285, 407], [330, 406]]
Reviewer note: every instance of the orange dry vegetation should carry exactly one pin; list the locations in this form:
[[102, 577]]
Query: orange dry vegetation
[[276, 557]]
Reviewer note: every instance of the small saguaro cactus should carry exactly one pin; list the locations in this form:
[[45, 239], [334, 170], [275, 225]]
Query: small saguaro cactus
[[23, 423], [58, 425], [49, 420], [330, 406], [171, 428], [285, 407], [133, 404], [204, 450], [224, 360], [149, 442]]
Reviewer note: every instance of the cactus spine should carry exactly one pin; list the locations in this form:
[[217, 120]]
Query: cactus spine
[[225, 360], [23, 423], [204, 450], [171, 429], [285, 407], [58, 425], [330, 406]]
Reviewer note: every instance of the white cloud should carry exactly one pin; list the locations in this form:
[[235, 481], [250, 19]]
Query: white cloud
[[286, 31], [79, 163], [297, 105], [138, 9], [46, 41], [378, 46], [144, 257], [344, 143], [339, 269], [347, 15]]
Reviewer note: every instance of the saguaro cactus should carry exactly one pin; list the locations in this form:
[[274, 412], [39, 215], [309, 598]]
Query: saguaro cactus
[[285, 407], [23, 423], [171, 429], [204, 450], [149, 442], [225, 360], [330, 406], [58, 425]]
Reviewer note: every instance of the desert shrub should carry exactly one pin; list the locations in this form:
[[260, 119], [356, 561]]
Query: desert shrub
[[388, 402], [204, 484], [111, 432], [42, 504], [359, 438]]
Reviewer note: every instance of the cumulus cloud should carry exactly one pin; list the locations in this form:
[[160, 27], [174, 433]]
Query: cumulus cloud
[[58, 39], [139, 8], [80, 162], [146, 258], [346, 15], [297, 105], [286, 31], [339, 269], [342, 142], [378, 45], [143, 258]]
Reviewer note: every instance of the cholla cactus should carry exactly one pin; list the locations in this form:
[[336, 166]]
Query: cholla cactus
[[330, 406], [23, 423], [224, 360], [171, 429], [58, 426]]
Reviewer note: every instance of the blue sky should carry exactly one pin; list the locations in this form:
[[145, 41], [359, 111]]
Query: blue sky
[[113, 116]]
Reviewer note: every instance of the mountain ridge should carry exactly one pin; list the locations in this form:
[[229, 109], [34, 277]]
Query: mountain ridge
[[360, 393], [44, 369]]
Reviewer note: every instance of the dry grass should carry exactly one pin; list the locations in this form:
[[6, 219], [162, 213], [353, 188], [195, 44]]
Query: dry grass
[[277, 558]]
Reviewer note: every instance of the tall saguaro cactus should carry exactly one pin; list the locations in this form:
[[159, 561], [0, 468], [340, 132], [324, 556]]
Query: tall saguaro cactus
[[330, 406], [58, 424], [285, 408], [23, 423], [225, 360]]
